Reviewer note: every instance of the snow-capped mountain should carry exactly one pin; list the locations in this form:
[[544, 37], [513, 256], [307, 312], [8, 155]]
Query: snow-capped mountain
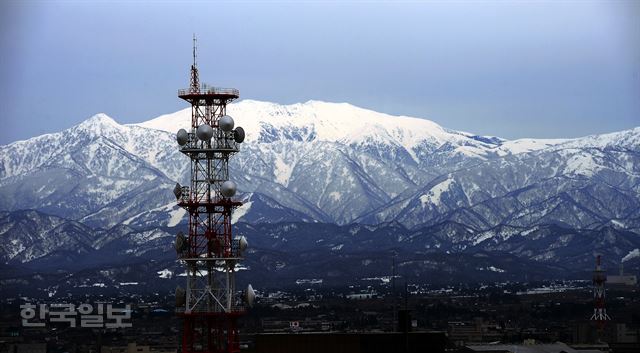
[[329, 163], [89, 172], [332, 163], [578, 185]]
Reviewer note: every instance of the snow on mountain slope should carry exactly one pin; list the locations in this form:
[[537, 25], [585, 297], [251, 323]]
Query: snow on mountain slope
[[627, 139], [321, 121], [328, 162], [29, 236], [340, 159], [581, 188], [19, 158], [351, 125], [527, 145], [101, 188], [632, 254], [90, 168]]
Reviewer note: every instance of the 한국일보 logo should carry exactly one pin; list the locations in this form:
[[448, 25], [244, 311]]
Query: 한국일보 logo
[[84, 315]]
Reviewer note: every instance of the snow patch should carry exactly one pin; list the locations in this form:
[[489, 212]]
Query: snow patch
[[581, 164], [617, 223], [484, 236], [176, 216], [633, 253], [492, 269], [529, 231], [240, 211], [527, 145], [433, 196], [282, 171]]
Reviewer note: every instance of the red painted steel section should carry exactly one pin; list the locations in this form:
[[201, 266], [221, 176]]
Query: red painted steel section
[[600, 315]]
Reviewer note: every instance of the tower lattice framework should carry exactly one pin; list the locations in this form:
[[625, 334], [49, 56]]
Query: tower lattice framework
[[600, 315], [209, 305]]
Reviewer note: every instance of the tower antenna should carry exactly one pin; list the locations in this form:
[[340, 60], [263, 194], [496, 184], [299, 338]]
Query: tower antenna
[[194, 86], [195, 46]]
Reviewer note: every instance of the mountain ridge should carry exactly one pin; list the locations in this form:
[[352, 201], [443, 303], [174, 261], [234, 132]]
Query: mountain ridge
[[287, 140], [333, 163]]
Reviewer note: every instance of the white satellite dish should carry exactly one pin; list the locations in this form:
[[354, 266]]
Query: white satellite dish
[[239, 135], [243, 244], [250, 295], [182, 137], [177, 191], [228, 188], [181, 242], [226, 123], [204, 132]]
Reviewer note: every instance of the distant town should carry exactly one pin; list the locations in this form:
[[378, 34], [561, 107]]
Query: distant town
[[463, 318]]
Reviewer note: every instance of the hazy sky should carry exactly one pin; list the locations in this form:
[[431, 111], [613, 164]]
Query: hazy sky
[[511, 69]]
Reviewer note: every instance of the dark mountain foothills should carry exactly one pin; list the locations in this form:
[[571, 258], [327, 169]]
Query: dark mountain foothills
[[83, 259]]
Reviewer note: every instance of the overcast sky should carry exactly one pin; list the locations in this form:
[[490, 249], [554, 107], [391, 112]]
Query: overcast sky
[[509, 69]]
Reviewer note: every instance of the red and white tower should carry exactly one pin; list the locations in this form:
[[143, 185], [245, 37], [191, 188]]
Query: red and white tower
[[209, 305], [599, 311]]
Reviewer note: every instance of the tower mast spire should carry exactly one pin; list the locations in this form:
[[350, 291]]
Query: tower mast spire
[[195, 45], [194, 86]]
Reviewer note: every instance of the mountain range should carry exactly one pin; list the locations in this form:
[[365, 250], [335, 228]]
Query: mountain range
[[104, 188]]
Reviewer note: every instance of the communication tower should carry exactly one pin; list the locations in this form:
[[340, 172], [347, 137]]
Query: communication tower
[[599, 311], [209, 305]]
